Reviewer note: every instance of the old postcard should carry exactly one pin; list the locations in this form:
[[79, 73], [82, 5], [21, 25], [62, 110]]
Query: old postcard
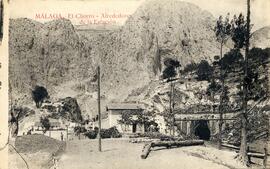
[[134, 84]]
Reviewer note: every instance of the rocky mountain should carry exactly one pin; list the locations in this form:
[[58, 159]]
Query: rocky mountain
[[64, 60], [261, 38], [43, 53]]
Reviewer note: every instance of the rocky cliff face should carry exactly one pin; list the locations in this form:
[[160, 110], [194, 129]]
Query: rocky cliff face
[[63, 60], [47, 54], [261, 38], [178, 29]]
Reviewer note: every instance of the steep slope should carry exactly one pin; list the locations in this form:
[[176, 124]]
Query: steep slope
[[46, 54], [132, 56], [56, 56], [178, 29], [261, 38]]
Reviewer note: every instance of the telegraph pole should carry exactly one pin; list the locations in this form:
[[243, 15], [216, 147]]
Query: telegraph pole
[[99, 114], [244, 116], [221, 104]]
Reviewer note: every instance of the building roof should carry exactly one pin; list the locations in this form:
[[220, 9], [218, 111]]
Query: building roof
[[53, 122], [125, 106]]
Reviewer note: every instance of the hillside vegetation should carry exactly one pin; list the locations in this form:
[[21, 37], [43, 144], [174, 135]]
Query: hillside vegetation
[[64, 60]]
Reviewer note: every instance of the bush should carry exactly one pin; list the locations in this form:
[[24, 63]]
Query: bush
[[204, 71], [105, 133], [79, 129], [45, 122], [110, 133], [92, 134]]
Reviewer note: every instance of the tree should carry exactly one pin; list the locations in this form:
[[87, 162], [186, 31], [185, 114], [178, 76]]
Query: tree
[[241, 36], [39, 94], [223, 31], [240, 32], [45, 122], [145, 119], [78, 130], [232, 67], [17, 112], [213, 88], [168, 73], [204, 71], [170, 68], [126, 118], [141, 118], [257, 73]]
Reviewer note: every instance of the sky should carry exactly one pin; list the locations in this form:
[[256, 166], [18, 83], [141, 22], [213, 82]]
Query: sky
[[83, 9], [260, 15]]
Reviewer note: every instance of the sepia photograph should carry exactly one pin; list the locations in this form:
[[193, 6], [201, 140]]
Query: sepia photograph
[[138, 84]]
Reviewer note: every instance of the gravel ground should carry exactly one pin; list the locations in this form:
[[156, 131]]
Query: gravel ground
[[120, 154]]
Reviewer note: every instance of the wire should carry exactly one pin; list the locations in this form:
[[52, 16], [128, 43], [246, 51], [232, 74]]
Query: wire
[[8, 143], [20, 156], [2, 148]]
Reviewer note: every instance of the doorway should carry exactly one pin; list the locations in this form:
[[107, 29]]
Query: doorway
[[134, 128]]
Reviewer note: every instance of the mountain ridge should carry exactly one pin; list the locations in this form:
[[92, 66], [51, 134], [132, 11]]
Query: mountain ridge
[[57, 56]]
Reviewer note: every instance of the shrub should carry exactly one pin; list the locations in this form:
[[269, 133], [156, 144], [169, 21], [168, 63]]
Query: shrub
[[105, 133], [110, 133], [204, 71], [45, 122], [79, 129], [170, 69], [92, 134]]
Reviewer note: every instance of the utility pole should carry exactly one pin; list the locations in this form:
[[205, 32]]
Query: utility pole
[[67, 133], [243, 146], [170, 113], [99, 114], [221, 104]]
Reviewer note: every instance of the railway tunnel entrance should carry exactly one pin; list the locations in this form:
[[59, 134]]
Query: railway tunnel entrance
[[201, 129]]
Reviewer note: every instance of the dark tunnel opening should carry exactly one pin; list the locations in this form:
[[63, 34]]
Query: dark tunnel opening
[[202, 130]]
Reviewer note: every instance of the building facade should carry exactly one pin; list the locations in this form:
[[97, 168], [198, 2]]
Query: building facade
[[118, 111]]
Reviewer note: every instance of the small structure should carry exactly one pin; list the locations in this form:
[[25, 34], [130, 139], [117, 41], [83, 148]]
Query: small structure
[[54, 125], [56, 131], [115, 115]]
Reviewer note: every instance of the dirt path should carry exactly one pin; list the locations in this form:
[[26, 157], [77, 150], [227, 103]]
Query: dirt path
[[119, 154]]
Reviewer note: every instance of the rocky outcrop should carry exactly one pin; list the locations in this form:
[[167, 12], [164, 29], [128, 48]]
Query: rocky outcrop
[[261, 38], [70, 110], [55, 55], [156, 95]]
